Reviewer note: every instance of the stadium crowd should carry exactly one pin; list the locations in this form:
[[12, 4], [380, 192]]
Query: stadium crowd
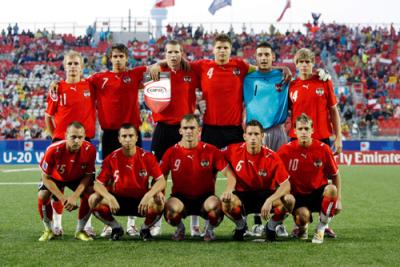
[[365, 64]]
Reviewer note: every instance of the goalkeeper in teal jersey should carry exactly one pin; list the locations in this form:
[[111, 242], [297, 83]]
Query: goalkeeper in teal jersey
[[266, 97]]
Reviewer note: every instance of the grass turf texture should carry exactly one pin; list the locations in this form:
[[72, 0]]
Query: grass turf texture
[[368, 231]]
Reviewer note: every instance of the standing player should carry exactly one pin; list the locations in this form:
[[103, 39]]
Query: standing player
[[117, 103], [266, 100], [261, 184], [68, 163], [310, 163], [73, 101], [122, 188], [222, 86], [183, 101], [317, 100], [193, 166]]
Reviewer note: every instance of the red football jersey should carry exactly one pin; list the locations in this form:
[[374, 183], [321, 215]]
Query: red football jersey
[[73, 102], [194, 170], [260, 172], [64, 166], [309, 168], [314, 98], [183, 97], [129, 176], [222, 87], [117, 97]]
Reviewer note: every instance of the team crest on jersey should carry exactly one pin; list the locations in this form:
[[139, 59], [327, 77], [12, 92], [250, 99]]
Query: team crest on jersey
[[236, 71], [204, 163], [86, 93], [44, 165], [262, 172], [143, 173], [278, 87], [83, 166], [126, 79], [187, 79], [318, 163], [319, 91]]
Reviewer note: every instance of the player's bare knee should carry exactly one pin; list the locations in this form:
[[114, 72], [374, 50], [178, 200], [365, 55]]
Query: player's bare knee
[[173, 206], [232, 204], [94, 200], [330, 191], [212, 203], [302, 216], [288, 202], [156, 206], [44, 195]]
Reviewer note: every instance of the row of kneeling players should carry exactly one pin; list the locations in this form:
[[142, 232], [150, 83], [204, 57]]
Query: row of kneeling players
[[293, 180]]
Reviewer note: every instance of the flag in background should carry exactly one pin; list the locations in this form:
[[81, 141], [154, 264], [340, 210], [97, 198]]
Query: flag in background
[[164, 3], [287, 6], [218, 4]]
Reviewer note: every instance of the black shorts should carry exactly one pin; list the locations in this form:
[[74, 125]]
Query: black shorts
[[311, 201], [252, 201], [61, 185], [222, 136], [164, 137], [110, 142], [128, 206], [193, 206]]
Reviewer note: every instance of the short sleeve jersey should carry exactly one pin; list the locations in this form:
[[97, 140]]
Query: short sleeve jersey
[[117, 97], [314, 98], [73, 102], [310, 167], [65, 166], [193, 171], [128, 176], [183, 97], [222, 87], [260, 172]]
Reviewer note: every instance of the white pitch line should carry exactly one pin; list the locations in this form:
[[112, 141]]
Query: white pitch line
[[21, 170], [21, 183]]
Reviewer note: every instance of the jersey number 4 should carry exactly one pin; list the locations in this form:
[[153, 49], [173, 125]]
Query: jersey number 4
[[210, 73]]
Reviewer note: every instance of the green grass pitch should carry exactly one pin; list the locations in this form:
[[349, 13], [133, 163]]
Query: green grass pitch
[[368, 232]]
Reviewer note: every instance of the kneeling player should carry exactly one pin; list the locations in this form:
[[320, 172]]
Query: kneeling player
[[193, 167], [68, 163], [310, 164], [122, 187], [261, 184]]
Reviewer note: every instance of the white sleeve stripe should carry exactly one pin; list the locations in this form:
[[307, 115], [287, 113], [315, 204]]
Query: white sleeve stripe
[[287, 179], [158, 178]]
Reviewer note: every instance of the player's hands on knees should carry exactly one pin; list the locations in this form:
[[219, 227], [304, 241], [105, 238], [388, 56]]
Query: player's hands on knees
[[70, 203], [113, 204], [155, 70], [227, 196], [144, 204], [323, 75], [159, 198], [338, 145], [266, 209]]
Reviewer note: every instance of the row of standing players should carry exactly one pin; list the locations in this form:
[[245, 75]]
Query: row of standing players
[[226, 83]]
